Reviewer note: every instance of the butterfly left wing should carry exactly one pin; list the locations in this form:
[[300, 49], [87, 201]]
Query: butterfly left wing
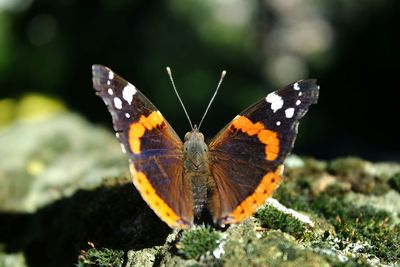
[[246, 157], [153, 147]]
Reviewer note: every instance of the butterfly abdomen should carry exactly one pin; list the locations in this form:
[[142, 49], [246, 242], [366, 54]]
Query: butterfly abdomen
[[197, 170]]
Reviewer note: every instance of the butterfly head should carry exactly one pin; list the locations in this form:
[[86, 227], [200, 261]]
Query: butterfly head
[[195, 151]]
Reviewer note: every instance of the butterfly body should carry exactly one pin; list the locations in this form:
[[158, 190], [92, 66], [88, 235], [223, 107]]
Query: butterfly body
[[229, 177], [197, 170]]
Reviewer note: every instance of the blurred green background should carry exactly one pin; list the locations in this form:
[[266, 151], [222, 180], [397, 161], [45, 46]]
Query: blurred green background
[[47, 48]]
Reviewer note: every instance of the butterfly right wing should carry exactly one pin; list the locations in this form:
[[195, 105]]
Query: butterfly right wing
[[154, 149], [246, 157]]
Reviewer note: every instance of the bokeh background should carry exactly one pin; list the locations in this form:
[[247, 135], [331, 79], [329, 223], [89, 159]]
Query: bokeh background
[[47, 48]]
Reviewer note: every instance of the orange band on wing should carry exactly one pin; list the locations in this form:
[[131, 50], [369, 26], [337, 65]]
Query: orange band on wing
[[137, 129], [158, 205], [267, 137], [263, 191]]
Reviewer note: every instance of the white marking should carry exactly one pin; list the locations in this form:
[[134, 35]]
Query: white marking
[[237, 116], [301, 217], [289, 112], [108, 82], [110, 91], [275, 100], [117, 103], [159, 113], [127, 115], [117, 135], [111, 75], [128, 93], [300, 93], [278, 123], [123, 149], [298, 102], [296, 86]]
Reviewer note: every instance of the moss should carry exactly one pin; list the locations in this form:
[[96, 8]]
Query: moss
[[273, 249], [7, 111], [273, 218], [198, 242], [394, 182], [103, 257], [360, 174], [352, 224]]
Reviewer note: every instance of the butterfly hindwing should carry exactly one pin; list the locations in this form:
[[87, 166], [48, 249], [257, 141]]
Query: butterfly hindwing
[[153, 147], [246, 157]]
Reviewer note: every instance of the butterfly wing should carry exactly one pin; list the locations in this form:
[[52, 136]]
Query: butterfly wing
[[153, 147], [246, 157]]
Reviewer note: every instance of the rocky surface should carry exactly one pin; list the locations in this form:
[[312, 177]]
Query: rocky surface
[[66, 199]]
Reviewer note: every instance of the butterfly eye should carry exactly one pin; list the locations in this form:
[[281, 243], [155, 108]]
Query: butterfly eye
[[187, 136]]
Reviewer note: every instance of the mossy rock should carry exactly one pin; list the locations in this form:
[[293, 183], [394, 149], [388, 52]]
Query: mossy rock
[[66, 193]]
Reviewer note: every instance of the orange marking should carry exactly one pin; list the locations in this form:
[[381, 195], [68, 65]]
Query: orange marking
[[255, 129], [137, 129], [264, 190], [242, 123], [157, 204], [267, 137]]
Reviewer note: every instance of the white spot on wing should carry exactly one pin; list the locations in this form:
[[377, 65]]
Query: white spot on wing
[[111, 75], [117, 103], [298, 102], [278, 123], [128, 93], [123, 149], [300, 93], [296, 86], [275, 100], [289, 112], [127, 115], [108, 82], [110, 91]]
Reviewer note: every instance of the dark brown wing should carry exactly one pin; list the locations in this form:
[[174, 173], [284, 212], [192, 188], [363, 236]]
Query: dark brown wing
[[153, 147], [247, 155]]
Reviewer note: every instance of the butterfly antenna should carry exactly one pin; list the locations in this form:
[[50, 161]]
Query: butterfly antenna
[[179, 98], [212, 99]]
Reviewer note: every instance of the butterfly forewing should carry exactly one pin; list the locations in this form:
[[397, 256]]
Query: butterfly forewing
[[153, 147], [246, 156]]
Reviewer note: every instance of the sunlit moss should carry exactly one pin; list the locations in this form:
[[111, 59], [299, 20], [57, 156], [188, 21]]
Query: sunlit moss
[[352, 223], [7, 111], [272, 218], [35, 106], [198, 242], [30, 107]]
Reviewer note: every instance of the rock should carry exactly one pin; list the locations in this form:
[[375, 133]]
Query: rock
[[66, 198]]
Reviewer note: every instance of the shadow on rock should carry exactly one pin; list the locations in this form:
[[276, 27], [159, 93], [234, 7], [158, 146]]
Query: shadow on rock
[[111, 217]]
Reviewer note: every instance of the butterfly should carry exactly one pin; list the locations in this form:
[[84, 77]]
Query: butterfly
[[229, 177]]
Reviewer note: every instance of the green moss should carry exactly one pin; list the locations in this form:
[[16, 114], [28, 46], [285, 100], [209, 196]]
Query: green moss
[[394, 182], [351, 223], [360, 174], [274, 248], [101, 257], [273, 218], [198, 242], [7, 111]]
